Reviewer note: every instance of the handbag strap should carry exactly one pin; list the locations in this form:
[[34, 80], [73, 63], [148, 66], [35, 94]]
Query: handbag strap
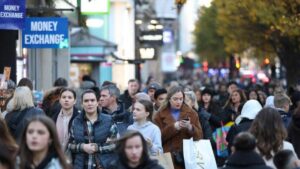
[[87, 132]]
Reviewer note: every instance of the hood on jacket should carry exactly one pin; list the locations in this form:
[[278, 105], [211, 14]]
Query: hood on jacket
[[249, 110], [270, 102]]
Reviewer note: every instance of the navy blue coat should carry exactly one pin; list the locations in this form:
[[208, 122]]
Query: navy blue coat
[[101, 132]]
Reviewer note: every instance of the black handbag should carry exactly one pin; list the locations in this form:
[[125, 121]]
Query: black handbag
[[178, 157]]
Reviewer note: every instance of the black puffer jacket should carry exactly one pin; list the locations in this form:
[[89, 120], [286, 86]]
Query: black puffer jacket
[[244, 125], [245, 160], [149, 164], [16, 120]]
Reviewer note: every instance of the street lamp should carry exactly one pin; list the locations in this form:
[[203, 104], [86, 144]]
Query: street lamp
[[179, 4]]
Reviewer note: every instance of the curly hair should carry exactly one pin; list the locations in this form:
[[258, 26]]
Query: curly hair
[[269, 131]]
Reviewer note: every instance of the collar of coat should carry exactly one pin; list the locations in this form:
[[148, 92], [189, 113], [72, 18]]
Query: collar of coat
[[185, 111]]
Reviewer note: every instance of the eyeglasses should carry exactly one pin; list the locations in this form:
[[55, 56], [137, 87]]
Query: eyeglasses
[[175, 99]]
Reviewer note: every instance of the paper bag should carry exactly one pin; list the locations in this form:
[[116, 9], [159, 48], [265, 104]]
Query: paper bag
[[165, 160], [198, 154]]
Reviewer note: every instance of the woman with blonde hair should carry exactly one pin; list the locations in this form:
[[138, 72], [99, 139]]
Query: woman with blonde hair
[[177, 121], [22, 109]]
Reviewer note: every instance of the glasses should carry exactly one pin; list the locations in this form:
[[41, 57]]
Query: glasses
[[175, 99]]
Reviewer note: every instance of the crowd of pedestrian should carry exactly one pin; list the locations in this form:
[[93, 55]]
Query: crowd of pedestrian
[[98, 127]]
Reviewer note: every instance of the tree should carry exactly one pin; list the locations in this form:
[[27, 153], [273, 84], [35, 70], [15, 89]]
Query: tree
[[271, 26], [209, 44]]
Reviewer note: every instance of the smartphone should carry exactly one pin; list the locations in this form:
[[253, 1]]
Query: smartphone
[[186, 118]]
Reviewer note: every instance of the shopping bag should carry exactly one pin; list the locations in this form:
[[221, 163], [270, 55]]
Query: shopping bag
[[165, 160], [198, 154], [219, 137]]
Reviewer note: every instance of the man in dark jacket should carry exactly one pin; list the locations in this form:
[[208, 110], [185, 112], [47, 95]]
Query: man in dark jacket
[[294, 131], [286, 159], [128, 96], [110, 104], [244, 155], [282, 103]]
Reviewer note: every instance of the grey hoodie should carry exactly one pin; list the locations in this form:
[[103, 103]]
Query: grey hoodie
[[152, 132]]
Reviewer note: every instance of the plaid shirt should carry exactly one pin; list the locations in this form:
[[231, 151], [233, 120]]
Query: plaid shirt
[[89, 162]]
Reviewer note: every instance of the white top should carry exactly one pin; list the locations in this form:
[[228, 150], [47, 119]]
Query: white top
[[286, 146]]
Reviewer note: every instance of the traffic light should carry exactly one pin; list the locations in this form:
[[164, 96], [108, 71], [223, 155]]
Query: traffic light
[[266, 61], [205, 66], [238, 63]]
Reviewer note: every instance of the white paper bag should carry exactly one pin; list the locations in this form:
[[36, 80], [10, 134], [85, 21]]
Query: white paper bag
[[198, 154]]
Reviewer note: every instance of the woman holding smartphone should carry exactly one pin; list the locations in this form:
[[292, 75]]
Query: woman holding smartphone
[[177, 121]]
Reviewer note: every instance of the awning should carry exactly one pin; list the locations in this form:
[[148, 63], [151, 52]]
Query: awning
[[86, 47], [82, 38]]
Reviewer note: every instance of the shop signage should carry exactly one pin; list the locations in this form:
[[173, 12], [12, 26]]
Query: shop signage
[[152, 37], [45, 33], [92, 7], [12, 14], [147, 53]]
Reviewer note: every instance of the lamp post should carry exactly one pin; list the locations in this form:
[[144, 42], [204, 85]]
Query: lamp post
[[179, 4]]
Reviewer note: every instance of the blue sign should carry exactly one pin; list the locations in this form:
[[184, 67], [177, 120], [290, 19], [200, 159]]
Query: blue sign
[[45, 33], [12, 14]]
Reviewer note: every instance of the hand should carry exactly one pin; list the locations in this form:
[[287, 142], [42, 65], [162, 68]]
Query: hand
[[186, 124], [89, 148], [110, 140], [177, 125], [149, 142]]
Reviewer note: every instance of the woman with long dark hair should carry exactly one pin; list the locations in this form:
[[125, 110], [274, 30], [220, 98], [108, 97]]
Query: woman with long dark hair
[[7, 140], [270, 134], [210, 110], [66, 115], [233, 103], [40, 147], [133, 153]]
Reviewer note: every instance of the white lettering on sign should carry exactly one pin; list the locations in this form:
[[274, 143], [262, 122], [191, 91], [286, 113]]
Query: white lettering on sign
[[11, 7], [11, 15], [38, 39], [147, 53], [43, 26]]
